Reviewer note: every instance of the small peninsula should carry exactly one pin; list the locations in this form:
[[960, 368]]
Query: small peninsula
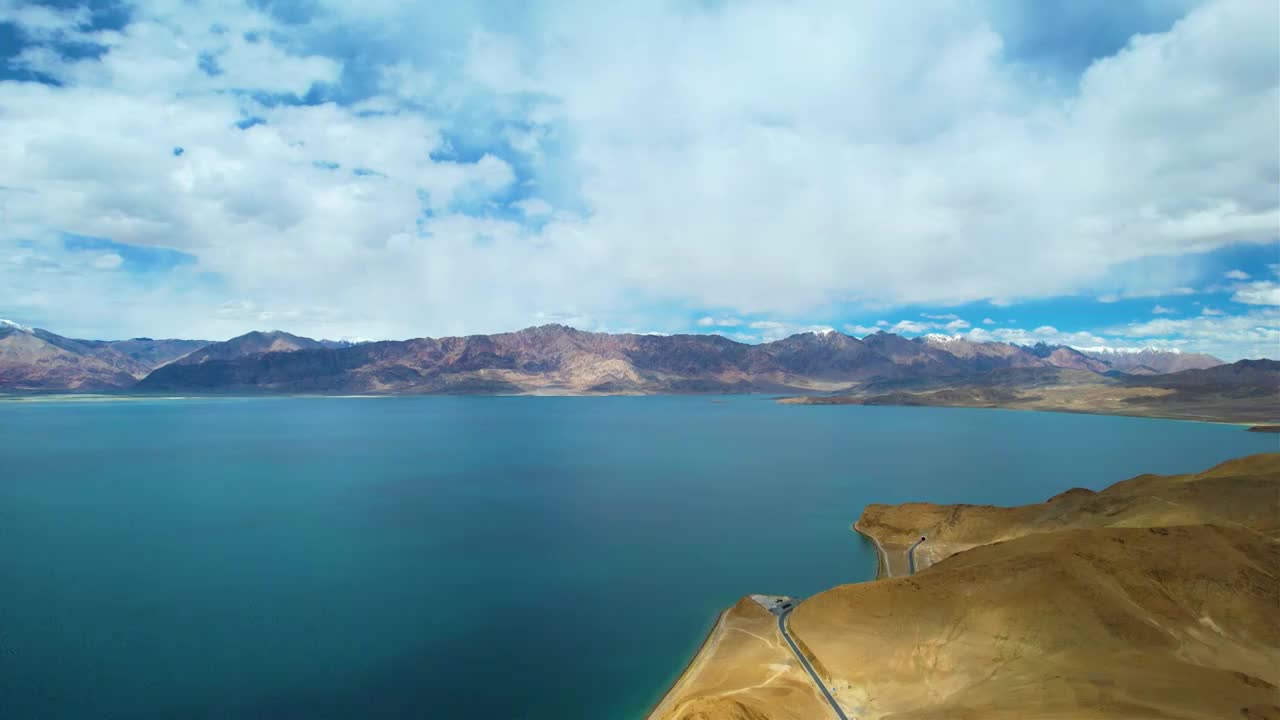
[[1155, 597]]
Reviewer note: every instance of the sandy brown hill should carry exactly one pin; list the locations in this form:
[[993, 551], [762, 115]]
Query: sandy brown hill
[[1154, 598], [1241, 493], [1102, 623]]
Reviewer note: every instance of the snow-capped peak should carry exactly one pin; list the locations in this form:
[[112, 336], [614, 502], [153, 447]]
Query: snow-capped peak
[[824, 332], [1104, 350], [940, 339], [15, 326]]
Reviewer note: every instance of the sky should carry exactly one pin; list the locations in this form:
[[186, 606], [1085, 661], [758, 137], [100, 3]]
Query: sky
[[1085, 172]]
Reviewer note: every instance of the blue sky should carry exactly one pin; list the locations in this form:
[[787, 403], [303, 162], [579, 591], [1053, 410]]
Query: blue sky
[[1086, 172]]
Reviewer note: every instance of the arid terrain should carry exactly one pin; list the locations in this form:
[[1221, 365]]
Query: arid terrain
[[1154, 598]]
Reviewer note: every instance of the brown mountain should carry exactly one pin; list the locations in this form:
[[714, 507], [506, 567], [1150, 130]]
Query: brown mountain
[[36, 359], [914, 357], [983, 356], [552, 359], [254, 343], [1067, 357], [29, 362], [832, 355]]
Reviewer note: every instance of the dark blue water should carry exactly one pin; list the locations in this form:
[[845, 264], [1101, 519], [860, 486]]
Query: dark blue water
[[492, 558]]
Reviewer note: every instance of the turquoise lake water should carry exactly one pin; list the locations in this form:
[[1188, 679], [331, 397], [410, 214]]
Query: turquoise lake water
[[443, 557]]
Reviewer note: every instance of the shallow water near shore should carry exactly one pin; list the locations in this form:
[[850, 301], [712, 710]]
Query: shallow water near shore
[[451, 557]]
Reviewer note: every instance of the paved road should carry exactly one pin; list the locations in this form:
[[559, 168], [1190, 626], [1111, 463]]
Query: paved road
[[782, 628], [911, 555]]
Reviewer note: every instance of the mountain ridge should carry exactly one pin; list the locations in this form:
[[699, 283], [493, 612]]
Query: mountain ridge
[[550, 358]]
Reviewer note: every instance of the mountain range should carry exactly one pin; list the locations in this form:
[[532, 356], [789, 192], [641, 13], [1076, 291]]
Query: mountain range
[[545, 359]]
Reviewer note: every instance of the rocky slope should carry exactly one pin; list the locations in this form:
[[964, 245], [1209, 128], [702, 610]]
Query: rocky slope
[[1153, 598]]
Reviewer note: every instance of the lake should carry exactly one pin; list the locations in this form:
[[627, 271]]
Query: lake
[[465, 557]]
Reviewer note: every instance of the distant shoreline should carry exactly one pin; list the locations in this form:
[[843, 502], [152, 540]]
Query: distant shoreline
[[1249, 424], [38, 397]]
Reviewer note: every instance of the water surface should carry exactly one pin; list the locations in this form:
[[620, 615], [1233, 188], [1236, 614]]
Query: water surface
[[495, 558]]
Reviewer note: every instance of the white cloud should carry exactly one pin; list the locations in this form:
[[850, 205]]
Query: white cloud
[[1253, 334], [917, 327], [1209, 312], [766, 160], [1045, 333], [1257, 293], [535, 207], [107, 261], [911, 327], [709, 321], [1162, 310], [988, 321], [861, 330], [1146, 293], [770, 330], [1236, 275]]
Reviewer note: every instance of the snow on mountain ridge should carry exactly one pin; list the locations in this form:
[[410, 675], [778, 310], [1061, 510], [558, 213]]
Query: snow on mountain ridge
[[15, 326], [1104, 350]]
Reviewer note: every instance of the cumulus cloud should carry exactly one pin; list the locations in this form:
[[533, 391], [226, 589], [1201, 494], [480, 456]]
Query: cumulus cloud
[[1257, 293], [107, 261], [988, 321], [709, 321], [1236, 275], [1252, 334], [764, 159], [1146, 293], [770, 330], [535, 207], [1045, 333], [1161, 310], [949, 322]]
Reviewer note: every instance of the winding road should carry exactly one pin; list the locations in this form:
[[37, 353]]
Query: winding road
[[911, 555], [782, 628]]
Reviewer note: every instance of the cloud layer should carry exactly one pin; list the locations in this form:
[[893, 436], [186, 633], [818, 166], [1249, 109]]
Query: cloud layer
[[380, 170]]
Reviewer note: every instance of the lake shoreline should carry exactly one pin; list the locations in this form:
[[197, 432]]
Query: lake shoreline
[[1250, 425]]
